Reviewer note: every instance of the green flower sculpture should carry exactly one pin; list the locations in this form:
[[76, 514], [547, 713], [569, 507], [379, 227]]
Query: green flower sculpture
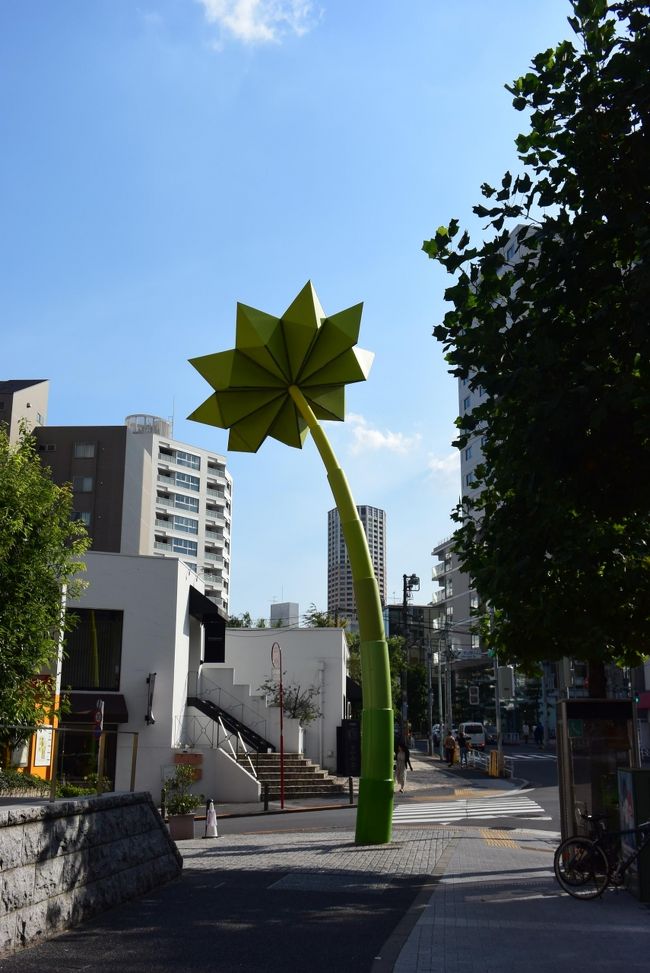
[[282, 377], [302, 349]]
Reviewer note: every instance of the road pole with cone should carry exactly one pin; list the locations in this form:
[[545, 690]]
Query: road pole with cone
[[210, 821]]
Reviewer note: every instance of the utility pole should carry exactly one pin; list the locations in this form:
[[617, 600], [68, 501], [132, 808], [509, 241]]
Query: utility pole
[[411, 583], [497, 700], [429, 699]]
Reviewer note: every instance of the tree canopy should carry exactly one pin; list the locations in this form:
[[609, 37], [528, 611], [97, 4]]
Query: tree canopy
[[314, 618], [549, 326], [40, 556]]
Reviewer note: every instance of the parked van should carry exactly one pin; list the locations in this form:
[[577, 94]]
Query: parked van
[[476, 734]]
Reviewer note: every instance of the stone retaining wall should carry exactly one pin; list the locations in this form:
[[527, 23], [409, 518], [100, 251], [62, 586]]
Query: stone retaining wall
[[64, 862]]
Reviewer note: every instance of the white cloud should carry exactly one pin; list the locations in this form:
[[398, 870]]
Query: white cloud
[[445, 468], [367, 439], [261, 21]]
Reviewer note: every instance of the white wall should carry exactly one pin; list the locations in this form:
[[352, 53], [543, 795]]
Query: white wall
[[158, 636], [310, 656]]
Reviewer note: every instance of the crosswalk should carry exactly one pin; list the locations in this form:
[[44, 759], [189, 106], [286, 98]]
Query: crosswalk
[[527, 755], [445, 812]]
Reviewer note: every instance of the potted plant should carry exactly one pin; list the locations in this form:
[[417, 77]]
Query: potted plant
[[181, 804]]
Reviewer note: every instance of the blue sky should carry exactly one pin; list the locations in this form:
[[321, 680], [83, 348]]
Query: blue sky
[[162, 160]]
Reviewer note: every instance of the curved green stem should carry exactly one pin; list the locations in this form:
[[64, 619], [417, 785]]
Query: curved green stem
[[375, 807]]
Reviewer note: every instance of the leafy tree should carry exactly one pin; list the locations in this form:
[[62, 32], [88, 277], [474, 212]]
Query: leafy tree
[[40, 555], [261, 623], [313, 618], [551, 325], [240, 621], [298, 703]]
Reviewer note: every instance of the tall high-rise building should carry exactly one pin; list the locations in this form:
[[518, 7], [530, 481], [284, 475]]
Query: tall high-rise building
[[139, 491], [340, 594]]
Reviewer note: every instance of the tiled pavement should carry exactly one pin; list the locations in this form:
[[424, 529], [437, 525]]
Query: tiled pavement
[[489, 902], [498, 909]]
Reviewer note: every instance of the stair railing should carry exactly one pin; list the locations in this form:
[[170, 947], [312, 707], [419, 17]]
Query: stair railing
[[200, 685]]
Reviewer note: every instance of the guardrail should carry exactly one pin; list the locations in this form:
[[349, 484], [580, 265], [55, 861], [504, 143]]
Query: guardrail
[[480, 760]]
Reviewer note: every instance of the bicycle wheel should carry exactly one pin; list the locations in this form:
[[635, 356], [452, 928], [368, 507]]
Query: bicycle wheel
[[581, 868]]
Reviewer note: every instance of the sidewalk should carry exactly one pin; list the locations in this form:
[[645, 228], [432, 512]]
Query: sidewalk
[[435, 900]]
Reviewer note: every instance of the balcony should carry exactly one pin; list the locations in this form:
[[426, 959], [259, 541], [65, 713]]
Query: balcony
[[162, 546], [164, 502], [439, 570], [439, 596], [214, 558], [218, 494], [164, 524], [215, 516]]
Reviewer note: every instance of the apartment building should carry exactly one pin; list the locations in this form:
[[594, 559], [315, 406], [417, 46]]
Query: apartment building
[[139, 491], [340, 592]]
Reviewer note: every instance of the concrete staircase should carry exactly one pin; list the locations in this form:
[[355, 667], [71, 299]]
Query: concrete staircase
[[302, 778]]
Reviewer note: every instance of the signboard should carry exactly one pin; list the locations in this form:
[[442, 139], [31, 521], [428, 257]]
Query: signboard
[[43, 747]]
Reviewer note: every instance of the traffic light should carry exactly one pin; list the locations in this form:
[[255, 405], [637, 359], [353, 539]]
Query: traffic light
[[473, 696]]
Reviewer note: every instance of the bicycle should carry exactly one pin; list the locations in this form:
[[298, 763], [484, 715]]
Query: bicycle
[[585, 867]]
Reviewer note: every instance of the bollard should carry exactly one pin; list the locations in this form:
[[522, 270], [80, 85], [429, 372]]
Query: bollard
[[351, 789], [210, 820], [265, 795]]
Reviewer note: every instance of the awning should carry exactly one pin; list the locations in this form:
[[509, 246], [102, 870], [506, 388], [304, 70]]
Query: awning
[[202, 608], [83, 706]]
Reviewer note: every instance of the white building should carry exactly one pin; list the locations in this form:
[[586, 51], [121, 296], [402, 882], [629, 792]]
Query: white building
[[340, 591], [140, 645]]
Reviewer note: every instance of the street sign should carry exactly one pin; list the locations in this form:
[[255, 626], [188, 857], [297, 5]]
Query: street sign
[[99, 718]]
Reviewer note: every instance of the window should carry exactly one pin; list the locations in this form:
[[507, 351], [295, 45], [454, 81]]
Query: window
[[186, 481], [468, 452], [466, 402], [83, 450], [182, 546], [186, 524], [473, 600], [469, 480], [82, 515], [188, 459], [186, 503], [82, 484], [93, 651], [476, 642]]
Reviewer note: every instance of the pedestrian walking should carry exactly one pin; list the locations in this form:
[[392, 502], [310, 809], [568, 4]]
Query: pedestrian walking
[[402, 743], [463, 746], [538, 735], [401, 757], [525, 732], [450, 748]]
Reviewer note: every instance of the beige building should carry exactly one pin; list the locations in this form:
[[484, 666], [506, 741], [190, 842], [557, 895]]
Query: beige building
[[139, 491]]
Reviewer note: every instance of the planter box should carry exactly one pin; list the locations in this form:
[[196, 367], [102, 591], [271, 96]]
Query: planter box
[[181, 826]]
